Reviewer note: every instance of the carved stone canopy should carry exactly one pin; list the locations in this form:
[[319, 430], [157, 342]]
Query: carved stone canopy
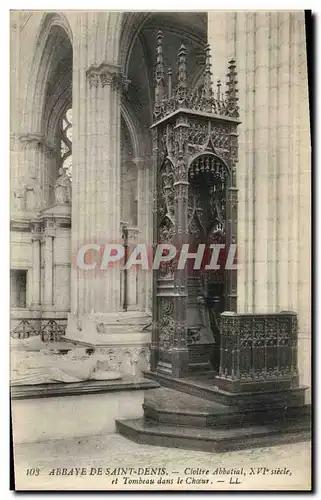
[[202, 98], [195, 152]]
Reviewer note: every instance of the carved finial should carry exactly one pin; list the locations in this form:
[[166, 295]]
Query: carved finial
[[218, 90], [169, 73], [182, 69], [232, 88], [159, 68], [208, 71], [208, 78]]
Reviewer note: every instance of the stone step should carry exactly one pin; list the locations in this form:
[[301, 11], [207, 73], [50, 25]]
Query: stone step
[[172, 407], [145, 431], [203, 386]]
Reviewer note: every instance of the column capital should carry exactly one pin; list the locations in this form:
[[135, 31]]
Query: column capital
[[132, 234], [107, 74]]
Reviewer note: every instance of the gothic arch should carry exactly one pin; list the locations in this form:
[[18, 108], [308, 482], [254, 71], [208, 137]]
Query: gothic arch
[[132, 22], [56, 107], [135, 132], [212, 154], [53, 29]]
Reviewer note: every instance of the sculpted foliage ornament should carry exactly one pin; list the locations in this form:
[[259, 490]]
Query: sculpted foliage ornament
[[107, 74], [167, 306], [166, 331]]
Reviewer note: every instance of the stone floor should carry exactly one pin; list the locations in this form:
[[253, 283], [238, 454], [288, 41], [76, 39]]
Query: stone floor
[[279, 467]]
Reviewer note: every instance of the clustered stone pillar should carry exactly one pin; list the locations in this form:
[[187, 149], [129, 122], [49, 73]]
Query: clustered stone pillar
[[96, 185], [274, 169], [102, 190], [144, 225], [270, 80]]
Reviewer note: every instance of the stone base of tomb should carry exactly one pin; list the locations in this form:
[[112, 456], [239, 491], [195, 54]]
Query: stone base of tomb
[[192, 413], [57, 410], [254, 399], [122, 338]]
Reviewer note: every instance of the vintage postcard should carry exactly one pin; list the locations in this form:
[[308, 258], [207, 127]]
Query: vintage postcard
[[160, 283]]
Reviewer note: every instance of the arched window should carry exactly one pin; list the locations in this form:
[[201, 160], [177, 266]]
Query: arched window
[[66, 142]]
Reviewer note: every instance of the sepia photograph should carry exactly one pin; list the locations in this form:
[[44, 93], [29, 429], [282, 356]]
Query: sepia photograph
[[160, 250]]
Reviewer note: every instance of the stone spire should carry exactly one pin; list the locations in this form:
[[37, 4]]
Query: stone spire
[[159, 76], [182, 68], [232, 90], [208, 73]]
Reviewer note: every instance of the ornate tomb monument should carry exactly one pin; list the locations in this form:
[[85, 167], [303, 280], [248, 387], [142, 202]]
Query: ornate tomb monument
[[229, 380]]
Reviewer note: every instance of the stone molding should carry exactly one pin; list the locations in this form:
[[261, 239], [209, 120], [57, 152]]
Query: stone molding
[[52, 218], [31, 141], [107, 74], [34, 141], [142, 162], [81, 388], [21, 224], [36, 231]]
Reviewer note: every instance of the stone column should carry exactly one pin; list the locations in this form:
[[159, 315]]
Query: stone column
[[274, 188], [36, 263], [96, 185], [49, 172], [265, 46], [260, 160], [241, 56], [101, 199], [144, 224], [218, 23], [132, 273], [301, 189], [283, 130], [48, 259], [95, 294]]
